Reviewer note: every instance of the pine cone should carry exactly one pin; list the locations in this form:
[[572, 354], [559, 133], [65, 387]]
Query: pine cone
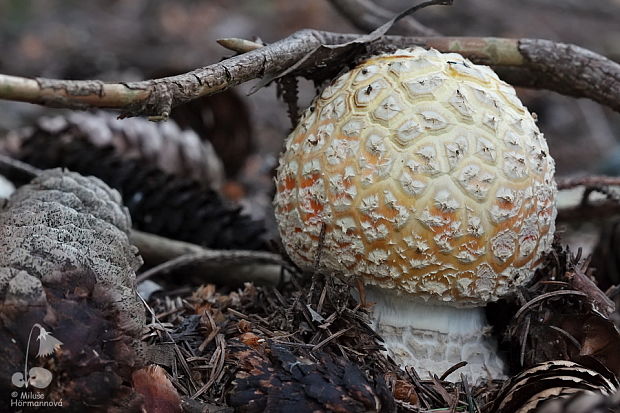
[[584, 403], [66, 265], [558, 379], [159, 203], [222, 118], [276, 380], [163, 144]]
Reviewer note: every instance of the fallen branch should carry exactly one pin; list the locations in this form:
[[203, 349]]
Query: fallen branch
[[224, 267], [590, 211], [589, 181], [563, 68], [237, 266]]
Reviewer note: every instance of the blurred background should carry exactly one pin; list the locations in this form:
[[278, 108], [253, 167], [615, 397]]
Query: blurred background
[[127, 40]]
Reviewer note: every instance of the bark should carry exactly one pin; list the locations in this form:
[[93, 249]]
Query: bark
[[571, 70], [563, 68]]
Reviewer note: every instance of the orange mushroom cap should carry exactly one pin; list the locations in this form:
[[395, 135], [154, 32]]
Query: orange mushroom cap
[[430, 176]]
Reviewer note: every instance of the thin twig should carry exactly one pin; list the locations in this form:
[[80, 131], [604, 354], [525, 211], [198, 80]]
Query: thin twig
[[366, 16], [525, 333], [441, 390], [566, 334], [180, 356], [330, 338], [8, 163], [546, 296], [218, 355], [452, 370], [168, 255]]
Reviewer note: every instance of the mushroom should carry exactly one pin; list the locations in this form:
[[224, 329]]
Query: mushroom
[[434, 186]]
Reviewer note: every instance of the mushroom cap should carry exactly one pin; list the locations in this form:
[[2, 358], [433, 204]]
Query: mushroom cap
[[430, 177]]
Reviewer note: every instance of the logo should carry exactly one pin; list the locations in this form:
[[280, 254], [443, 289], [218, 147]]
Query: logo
[[38, 377]]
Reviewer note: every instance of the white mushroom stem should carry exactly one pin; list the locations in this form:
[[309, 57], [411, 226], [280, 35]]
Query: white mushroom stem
[[434, 337]]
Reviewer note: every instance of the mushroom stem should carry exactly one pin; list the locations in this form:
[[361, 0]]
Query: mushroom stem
[[432, 337]]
